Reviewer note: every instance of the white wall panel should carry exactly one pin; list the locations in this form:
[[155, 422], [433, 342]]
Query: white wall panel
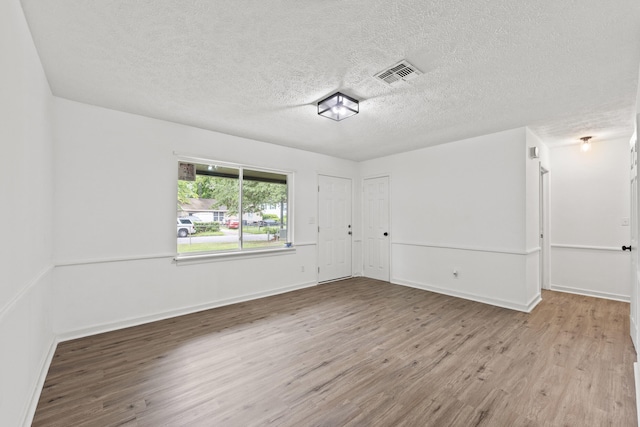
[[461, 205], [26, 191], [117, 180], [26, 350], [600, 273], [98, 297], [489, 277]]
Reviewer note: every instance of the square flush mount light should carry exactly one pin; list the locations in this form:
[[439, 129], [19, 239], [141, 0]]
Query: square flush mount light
[[338, 107]]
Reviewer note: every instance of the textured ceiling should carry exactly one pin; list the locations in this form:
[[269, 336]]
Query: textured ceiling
[[256, 69]]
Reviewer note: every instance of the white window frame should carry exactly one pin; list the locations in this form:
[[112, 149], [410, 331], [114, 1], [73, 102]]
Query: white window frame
[[240, 252]]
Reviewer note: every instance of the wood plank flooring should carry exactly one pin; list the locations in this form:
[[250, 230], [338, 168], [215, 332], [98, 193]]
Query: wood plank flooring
[[357, 352]]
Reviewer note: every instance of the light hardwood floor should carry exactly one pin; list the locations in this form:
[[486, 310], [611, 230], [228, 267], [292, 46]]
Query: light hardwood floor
[[357, 352]]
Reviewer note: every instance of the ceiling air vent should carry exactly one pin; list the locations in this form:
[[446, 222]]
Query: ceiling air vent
[[402, 71]]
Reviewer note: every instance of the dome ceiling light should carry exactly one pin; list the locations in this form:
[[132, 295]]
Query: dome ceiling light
[[586, 145]]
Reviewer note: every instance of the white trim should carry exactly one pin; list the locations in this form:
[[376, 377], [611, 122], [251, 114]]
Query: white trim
[[22, 292], [467, 248], [115, 259], [336, 280], [636, 372], [381, 175], [590, 293], [587, 247], [333, 175], [533, 303], [247, 254], [298, 245], [533, 250], [290, 174], [113, 326], [473, 297], [291, 208], [633, 330], [225, 256], [207, 160], [30, 410]]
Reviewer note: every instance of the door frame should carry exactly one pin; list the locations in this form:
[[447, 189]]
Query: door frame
[[389, 213], [317, 224], [633, 242], [544, 230]]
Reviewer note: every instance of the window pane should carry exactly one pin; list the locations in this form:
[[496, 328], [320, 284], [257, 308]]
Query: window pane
[[217, 205], [264, 209], [213, 198]]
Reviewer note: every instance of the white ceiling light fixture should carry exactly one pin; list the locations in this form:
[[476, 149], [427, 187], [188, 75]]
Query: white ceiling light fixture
[[586, 145], [338, 107]]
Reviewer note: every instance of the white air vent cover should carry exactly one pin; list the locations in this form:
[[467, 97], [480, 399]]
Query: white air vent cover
[[402, 71]]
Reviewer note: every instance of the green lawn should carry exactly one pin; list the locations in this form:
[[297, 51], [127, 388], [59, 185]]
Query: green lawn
[[253, 229], [224, 246], [209, 233]]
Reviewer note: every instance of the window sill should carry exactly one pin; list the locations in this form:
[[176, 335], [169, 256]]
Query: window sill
[[225, 256]]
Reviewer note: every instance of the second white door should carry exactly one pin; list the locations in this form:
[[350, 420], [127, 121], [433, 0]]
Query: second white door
[[376, 228]]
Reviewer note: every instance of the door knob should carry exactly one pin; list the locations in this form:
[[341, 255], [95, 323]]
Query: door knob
[[386, 234], [626, 248]]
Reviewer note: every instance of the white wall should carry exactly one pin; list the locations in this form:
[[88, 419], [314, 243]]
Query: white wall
[[114, 167], [461, 206], [26, 191], [589, 199], [532, 212]]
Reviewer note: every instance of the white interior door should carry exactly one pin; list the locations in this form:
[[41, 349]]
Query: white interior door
[[376, 228], [633, 229], [334, 228]]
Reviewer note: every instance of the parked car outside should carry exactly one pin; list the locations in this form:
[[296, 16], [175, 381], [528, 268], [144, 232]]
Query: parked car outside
[[265, 223], [233, 223], [194, 218], [185, 227]]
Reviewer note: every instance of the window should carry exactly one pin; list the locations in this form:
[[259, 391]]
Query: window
[[218, 216], [247, 207]]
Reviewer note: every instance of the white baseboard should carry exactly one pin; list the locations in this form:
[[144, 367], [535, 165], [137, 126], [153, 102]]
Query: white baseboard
[[27, 419], [534, 302], [108, 327], [590, 293], [478, 298]]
